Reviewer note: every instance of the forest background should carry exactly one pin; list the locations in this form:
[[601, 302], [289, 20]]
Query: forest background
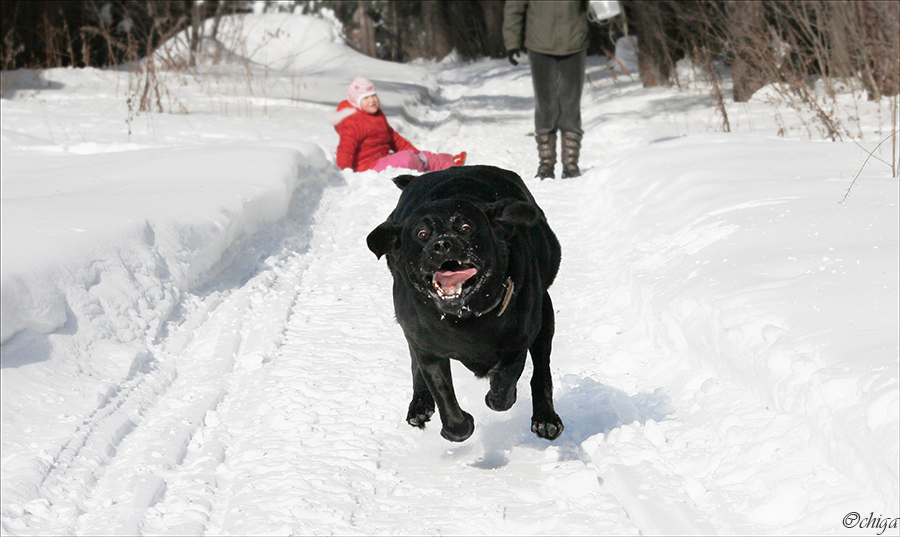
[[763, 42], [807, 51]]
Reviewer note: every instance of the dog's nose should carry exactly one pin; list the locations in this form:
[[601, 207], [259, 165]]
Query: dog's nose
[[441, 246]]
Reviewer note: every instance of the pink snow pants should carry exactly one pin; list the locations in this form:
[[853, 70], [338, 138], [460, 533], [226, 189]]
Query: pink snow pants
[[422, 161]]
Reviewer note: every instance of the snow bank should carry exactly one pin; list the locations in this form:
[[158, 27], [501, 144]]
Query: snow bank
[[752, 270], [154, 221], [278, 56]]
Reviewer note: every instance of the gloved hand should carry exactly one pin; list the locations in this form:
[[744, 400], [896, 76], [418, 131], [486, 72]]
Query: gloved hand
[[512, 54]]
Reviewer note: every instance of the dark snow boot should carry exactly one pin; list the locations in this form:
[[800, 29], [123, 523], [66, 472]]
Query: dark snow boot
[[547, 153], [571, 149]]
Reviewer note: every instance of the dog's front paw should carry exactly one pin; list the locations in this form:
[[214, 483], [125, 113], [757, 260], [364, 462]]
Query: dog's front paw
[[547, 428], [500, 402], [457, 432], [419, 413]]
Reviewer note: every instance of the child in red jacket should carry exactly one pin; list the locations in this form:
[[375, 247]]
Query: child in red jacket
[[368, 143]]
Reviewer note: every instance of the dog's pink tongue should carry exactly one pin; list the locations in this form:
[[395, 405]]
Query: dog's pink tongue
[[449, 280]]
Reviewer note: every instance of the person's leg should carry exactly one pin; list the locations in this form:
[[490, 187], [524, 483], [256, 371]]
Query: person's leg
[[571, 83], [407, 159], [545, 80], [571, 70], [438, 161]]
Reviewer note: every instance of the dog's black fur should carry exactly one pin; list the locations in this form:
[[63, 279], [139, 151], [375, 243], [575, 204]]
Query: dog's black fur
[[476, 229]]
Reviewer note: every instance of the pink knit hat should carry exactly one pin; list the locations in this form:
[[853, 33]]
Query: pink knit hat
[[360, 88]]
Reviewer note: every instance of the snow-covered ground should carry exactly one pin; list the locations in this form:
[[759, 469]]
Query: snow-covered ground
[[196, 341]]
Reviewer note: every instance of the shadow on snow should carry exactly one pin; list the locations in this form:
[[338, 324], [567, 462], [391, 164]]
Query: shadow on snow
[[587, 408]]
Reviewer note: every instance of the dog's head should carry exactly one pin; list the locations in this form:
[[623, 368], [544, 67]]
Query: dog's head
[[454, 253]]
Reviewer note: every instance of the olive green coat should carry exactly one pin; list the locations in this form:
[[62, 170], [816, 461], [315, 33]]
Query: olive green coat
[[551, 27]]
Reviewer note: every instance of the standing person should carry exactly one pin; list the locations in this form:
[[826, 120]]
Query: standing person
[[556, 38], [367, 142]]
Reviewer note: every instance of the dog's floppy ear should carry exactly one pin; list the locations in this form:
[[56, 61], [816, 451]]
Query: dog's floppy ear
[[383, 238], [513, 212], [402, 180]]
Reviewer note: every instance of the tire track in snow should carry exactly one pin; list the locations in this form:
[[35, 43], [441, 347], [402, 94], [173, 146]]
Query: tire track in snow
[[220, 334], [240, 336], [163, 477], [301, 451], [315, 441], [71, 475], [120, 462]]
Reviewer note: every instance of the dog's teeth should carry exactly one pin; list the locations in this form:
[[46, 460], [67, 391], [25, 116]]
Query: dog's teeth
[[456, 292]]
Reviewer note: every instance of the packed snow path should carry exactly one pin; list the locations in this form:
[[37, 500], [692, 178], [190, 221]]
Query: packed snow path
[[265, 411], [274, 403]]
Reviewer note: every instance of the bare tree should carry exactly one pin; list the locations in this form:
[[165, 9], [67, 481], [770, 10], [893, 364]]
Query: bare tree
[[879, 23], [655, 60], [366, 30], [435, 29], [493, 20], [198, 15], [753, 58]]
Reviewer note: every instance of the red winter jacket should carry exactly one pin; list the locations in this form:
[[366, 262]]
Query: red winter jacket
[[365, 139]]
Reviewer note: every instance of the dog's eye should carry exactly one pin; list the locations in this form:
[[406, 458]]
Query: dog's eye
[[422, 234], [465, 228]]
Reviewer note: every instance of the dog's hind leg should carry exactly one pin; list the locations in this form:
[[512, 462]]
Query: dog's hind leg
[[457, 424], [421, 408], [502, 394], [545, 422]]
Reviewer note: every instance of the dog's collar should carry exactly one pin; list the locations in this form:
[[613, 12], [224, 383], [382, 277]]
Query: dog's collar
[[504, 299]]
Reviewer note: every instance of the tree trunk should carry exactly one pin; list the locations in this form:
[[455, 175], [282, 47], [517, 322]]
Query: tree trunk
[[197, 11], [750, 42], [493, 21], [217, 19], [654, 61], [366, 31], [438, 44], [880, 23], [395, 39], [214, 33]]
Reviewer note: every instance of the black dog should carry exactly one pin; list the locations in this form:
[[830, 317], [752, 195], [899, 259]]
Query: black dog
[[472, 257]]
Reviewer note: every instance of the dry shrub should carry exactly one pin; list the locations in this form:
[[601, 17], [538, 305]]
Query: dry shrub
[[790, 44]]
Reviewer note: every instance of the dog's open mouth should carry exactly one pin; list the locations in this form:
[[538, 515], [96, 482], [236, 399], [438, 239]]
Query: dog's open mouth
[[448, 281]]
